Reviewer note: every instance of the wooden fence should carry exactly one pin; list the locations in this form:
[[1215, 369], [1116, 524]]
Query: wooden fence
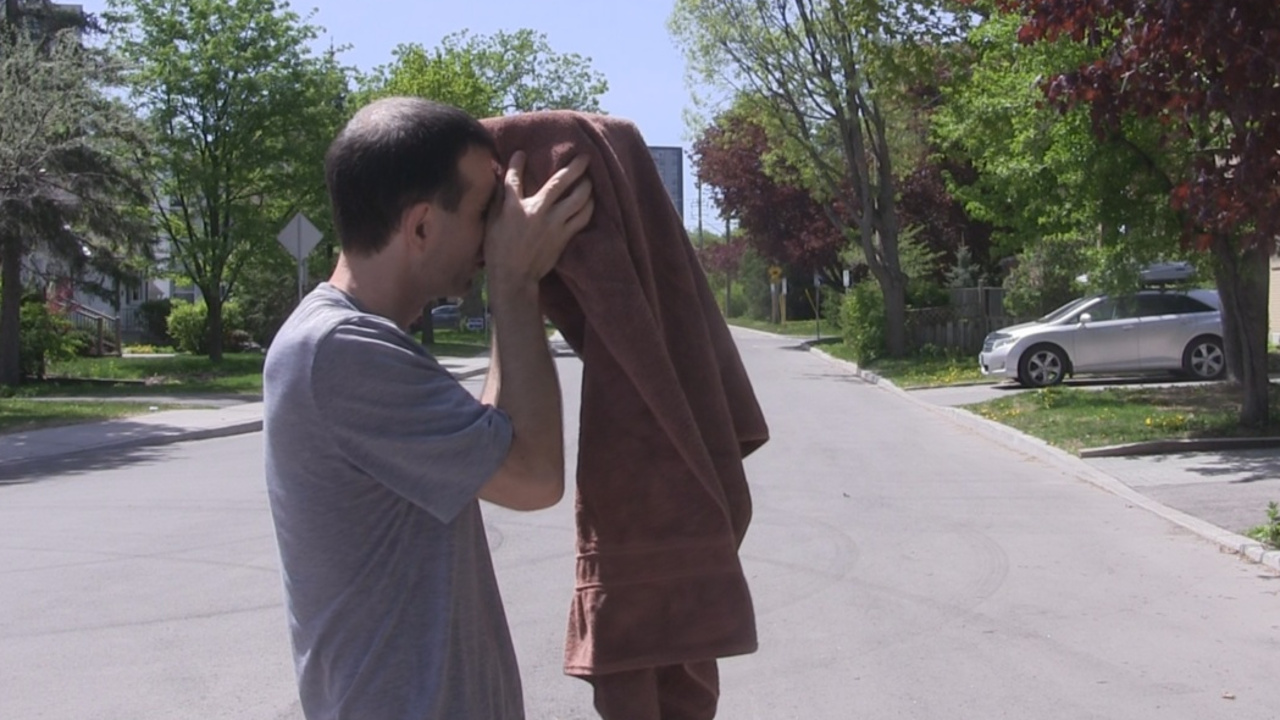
[[949, 329]]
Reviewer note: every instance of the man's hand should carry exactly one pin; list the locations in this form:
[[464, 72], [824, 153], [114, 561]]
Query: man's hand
[[527, 235]]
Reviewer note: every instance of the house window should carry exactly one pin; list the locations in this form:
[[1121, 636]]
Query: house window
[[184, 292]]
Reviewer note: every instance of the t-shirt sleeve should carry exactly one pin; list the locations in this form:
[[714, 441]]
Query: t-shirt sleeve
[[398, 416]]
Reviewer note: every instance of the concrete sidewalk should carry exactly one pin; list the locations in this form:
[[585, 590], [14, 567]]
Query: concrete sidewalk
[[159, 428]]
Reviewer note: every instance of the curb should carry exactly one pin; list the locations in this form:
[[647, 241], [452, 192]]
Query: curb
[[1167, 447], [468, 374], [951, 385], [802, 339], [242, 428], [1021, 442]]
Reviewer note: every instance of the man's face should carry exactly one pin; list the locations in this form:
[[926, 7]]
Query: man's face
[[456, 254]]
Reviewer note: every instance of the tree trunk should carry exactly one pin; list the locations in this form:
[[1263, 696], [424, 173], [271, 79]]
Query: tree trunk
[[213, 301], [895, 316], [1243, 281], [10, 312]]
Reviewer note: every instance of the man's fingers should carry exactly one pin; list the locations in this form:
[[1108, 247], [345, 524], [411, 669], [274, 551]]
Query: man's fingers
[[564, 178], [574, 201], [515, 170], [579, 220]]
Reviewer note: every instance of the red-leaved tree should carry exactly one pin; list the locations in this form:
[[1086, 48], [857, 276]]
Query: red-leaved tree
[[1210, 73], [781, 221]]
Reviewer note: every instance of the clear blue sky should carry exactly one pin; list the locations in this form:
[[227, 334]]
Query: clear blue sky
[[626, 41]]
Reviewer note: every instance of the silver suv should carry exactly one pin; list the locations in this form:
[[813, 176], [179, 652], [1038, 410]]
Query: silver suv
[[1149, 331]]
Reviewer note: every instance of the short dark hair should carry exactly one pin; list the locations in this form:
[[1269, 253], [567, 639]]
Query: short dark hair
[[394, 153]]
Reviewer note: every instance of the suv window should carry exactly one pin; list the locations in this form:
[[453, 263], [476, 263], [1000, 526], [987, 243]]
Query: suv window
[[1120, 308], [1152, 305], [1188, 304]]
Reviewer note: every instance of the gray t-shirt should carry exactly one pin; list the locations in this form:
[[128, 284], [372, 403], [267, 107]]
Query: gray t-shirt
[[374, 457]]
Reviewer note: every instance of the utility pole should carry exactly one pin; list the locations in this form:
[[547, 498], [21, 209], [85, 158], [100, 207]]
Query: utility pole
[[728, 275], [700, 241]]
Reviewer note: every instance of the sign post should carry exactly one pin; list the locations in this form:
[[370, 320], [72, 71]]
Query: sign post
[[775, 274], [817, 306], [782, 305], [300, 237]]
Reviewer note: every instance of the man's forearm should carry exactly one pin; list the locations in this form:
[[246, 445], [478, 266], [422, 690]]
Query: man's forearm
[[492, 378], [528, 387]]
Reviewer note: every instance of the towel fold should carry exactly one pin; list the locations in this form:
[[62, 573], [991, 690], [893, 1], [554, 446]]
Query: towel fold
[[668, 413]]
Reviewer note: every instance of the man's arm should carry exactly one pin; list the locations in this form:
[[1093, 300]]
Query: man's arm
[[521, 246], [492, 378]]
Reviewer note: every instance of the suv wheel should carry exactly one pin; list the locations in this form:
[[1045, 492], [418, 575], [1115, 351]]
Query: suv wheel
[[1203, 359], [1042, 366]]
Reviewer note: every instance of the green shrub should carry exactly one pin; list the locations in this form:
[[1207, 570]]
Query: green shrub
[[862, 322], [1045, 277], [832, 306], [1270, 532], [754, 274], [737, 301], [155, 319], [45, 337], [145, 349], [84, 341], [188, 326]]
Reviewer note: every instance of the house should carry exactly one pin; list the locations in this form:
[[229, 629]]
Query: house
[[121, 307]]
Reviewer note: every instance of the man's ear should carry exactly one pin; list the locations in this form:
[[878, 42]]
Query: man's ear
[[417, 224]]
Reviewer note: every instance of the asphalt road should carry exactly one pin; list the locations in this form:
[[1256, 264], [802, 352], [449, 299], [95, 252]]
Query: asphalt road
[[902, 567]]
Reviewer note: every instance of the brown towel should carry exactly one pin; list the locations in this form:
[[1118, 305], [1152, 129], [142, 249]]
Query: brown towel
[[668, 413]]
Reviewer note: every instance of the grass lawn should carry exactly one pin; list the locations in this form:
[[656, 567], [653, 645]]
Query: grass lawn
[[458, 343], [238, 373], [1074, 418], [916, 372], [928, 372], [19, 415]]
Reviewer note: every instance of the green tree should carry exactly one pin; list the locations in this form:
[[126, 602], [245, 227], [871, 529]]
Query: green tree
[[830, 76], [1205, 77], [490, 75], [1041, 172], [243, 113], [67, 187]]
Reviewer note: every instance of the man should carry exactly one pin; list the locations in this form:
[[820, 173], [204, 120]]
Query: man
[[375, 455]]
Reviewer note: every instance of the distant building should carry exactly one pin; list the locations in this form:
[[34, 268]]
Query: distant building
[[670, 162], [41, 17]]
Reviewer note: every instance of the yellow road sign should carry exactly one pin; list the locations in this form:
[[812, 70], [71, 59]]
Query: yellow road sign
[[775, 273]]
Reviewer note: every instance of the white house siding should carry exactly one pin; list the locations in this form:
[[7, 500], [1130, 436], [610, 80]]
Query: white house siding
[[1274, 310]]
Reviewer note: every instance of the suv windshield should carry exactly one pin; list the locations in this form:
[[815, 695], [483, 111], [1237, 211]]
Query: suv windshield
[[1063, 311]]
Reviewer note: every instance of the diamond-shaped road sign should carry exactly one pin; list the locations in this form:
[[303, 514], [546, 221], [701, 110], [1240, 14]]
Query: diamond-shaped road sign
[[299, 237]]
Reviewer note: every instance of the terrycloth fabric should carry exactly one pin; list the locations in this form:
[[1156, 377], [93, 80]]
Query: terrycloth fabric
[[668, 413], [690, 691]]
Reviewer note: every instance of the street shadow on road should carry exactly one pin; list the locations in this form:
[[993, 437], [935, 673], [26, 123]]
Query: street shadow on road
[[1245, 466], [81, 463]]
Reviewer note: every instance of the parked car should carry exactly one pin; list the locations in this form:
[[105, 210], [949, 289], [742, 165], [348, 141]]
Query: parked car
[[1148, 331], [446, 317]]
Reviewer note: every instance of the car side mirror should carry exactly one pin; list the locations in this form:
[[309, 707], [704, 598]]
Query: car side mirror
[[1085, 318]]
